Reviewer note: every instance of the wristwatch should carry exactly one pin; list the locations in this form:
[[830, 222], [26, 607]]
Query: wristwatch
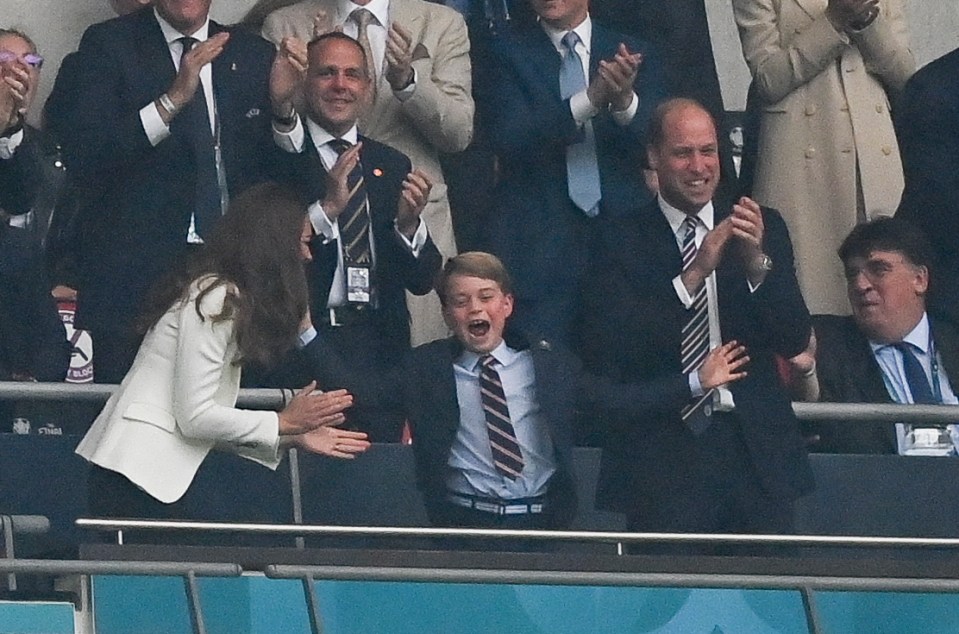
[[762, 264]]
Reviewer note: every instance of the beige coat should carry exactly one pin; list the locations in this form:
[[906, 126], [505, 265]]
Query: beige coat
[[438, 117], [828, 119], [177, 402]]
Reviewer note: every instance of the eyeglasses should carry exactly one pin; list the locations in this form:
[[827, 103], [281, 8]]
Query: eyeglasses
[[30, 59]]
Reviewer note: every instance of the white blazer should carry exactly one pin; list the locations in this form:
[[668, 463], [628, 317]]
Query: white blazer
[[178, 401]]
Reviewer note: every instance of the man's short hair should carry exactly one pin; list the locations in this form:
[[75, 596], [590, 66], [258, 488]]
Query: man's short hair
[[887, 234], [485, 266], [23, 36], [337, 35], [656, 132]]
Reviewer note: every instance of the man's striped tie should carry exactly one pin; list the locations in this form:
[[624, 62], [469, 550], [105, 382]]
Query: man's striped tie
[[695, 345], [355, 220], [507, 457]]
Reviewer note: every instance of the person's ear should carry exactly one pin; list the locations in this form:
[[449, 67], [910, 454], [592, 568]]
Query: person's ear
[[921, 280]]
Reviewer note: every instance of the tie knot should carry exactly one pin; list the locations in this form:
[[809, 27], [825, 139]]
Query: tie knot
[[905, 348], [487, 361], [340, 145], [363, 17], [570, 40], [690, 223], [187, 42]]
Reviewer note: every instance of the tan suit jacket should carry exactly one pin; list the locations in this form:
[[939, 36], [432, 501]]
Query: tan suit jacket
[[826, 122], [438, 117], [177, 402]]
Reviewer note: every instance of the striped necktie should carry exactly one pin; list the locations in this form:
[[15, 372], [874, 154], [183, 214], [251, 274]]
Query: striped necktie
[[695, 344], [507, 457], [354, 221]]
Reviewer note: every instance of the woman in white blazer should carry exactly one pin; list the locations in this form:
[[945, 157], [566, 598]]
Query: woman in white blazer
[[827, 156], [240, 300]]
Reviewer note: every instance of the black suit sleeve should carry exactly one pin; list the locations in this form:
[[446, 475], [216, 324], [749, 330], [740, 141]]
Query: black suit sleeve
[[369, 392], [927, 124], [782, 319], [104, 132], [21, 176]]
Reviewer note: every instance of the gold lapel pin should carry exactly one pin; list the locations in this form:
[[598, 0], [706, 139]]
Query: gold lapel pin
[[233, 67]]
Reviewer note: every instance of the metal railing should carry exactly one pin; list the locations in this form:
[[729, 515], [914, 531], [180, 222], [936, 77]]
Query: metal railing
[[277, 398], [307, 530], [189, 571]]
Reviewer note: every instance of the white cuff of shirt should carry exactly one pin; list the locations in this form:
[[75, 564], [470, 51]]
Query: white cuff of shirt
[[406, 93], [9, 145], [292, 140], [582, 108], [153, 125], [625, 117], [695, 386], [322, 224], [682, 293], [306, 337], [419, 238]]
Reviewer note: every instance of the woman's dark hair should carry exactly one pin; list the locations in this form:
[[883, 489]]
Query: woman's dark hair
[[255, 247]]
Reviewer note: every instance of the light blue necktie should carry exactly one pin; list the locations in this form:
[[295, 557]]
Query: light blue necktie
[[582, 172]]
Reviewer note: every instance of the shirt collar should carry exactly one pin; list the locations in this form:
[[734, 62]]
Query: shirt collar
[[584, 30], [321, 137], [379, 8], [170, 34], [918, 337], [469, 360], [675, 217]]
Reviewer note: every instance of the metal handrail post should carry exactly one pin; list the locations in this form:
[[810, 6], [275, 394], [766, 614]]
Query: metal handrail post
[[312, 605], [193, 602]]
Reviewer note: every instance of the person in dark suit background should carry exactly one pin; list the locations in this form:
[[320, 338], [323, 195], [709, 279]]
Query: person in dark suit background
[[569, 145], [135, 131], [729, 459], [371, 332], [862, 358], [927, 126], [440, 388]]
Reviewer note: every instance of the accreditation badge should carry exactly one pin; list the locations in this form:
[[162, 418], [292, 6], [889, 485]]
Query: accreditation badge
[[358, 284]]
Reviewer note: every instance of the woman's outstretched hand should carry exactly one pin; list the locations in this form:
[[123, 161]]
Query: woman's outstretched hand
[[309, 410], [334, 442]]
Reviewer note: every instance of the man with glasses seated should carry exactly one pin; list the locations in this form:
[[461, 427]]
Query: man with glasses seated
[[889, 351]]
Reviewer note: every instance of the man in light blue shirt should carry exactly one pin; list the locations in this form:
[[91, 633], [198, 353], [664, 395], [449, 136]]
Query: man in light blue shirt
[[890, 349]]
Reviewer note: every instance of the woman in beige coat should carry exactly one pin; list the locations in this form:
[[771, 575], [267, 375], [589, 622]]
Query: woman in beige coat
[[827, 155]]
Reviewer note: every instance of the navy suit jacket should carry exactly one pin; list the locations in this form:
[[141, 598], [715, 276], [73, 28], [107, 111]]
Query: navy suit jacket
[[927, 126], [134, 225], [848, 373], [424, 387], [384, 170], [632, 332], [536, 230]]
